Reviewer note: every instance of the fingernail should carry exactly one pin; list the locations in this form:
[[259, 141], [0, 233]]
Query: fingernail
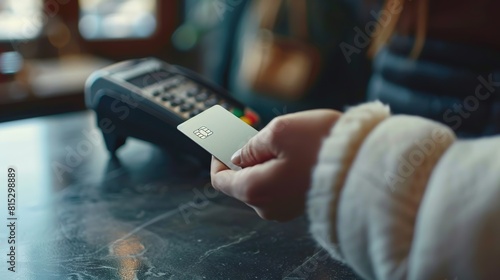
[[236, 157]]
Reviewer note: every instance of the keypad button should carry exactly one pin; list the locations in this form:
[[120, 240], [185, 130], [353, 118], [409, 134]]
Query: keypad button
[[225, 105], [168, 87], [186, 107], [211, 102], [177, 81], [176, 102], [172, 83], [192, 92], [247, 120], [237, 112], [195, 112], [202, 96], [167, 97], [252, 116]]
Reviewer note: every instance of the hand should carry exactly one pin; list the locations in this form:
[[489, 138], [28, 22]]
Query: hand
[[277, 164]]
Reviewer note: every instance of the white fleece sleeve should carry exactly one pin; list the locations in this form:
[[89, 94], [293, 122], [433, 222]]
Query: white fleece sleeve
[[382, 194], [336, 156], [457, 234], [368, 200]]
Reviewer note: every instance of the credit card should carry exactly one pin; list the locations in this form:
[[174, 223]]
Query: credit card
[[219, 132]]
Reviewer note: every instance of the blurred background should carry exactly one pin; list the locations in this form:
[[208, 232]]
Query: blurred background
[[275, 56], [49, 48]]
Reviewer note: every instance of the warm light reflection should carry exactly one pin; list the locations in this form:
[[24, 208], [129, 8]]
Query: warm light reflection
[[101, 19], [127, 252]]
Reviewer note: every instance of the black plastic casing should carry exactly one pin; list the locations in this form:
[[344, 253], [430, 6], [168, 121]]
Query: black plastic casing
[[122, 111]]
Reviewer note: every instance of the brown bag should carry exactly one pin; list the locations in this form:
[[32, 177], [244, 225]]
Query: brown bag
[[279, 66]]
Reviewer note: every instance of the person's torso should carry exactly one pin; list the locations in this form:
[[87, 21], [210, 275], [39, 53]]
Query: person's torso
[[461, 21]]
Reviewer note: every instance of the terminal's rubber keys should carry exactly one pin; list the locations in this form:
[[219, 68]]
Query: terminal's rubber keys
[[247, 116], [247, 120], [254, 118], [237, 112]]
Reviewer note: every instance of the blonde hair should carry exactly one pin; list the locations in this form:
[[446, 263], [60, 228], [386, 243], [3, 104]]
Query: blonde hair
[[384, 33]]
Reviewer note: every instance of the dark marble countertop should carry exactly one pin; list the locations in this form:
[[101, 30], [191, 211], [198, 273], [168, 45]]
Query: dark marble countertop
[[145, 215]]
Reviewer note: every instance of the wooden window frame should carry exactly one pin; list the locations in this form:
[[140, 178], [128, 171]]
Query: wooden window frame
[[167, 19]]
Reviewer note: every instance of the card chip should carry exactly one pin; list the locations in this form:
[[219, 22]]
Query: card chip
[[203, 132]]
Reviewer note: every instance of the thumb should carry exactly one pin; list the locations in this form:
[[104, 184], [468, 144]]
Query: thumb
[[259, 149]]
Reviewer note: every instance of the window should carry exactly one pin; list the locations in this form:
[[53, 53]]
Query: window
[[144, 26], [21, 20], [117, 19], [48, 48]]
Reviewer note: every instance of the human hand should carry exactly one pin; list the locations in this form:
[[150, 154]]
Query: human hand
[[277, 164]]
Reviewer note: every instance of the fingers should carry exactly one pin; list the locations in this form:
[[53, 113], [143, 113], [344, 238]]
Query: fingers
[[263, 188], [249, 185], [222, 178], [217, 166], [219, 174], [259, 149], [281, 132], [263, 146], [276, 164]]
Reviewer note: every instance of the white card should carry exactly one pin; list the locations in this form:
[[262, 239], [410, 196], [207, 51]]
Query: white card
[[219, 132]]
